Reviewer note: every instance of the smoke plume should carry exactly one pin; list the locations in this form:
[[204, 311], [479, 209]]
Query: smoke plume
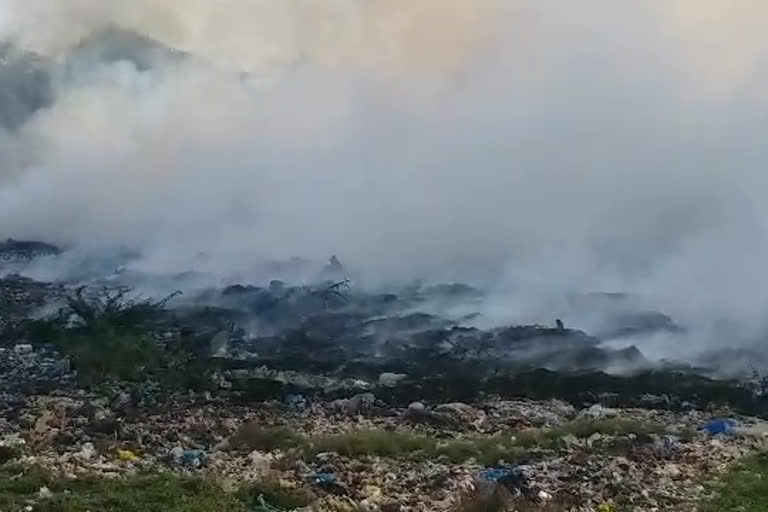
[[544, 147]]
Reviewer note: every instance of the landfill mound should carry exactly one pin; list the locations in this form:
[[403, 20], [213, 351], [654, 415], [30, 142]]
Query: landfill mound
[[349, 399]]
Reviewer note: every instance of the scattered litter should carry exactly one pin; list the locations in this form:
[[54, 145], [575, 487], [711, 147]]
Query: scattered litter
[[127, 456], [192, 458], [495, 474], [325, 478], [12, 441], [329, 483], [597, 412], [23, 348], [720, 426], [86, 452], [296, 403]]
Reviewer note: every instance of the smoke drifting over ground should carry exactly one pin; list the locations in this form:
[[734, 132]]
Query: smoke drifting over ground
[[545, 147]]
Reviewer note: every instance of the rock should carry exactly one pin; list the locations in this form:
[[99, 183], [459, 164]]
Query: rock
[[44, 493], [391, 379]]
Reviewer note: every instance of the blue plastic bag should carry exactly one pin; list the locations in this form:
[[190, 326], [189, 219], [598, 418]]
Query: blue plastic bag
[[719, 427]]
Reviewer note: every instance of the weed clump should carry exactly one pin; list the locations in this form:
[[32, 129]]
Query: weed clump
[[109, 336]]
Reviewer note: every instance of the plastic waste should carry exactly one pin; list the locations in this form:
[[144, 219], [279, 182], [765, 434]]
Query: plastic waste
[[127, 456], [87, 452], [511, 478], [329, 482], [325, 478], [296, 402], [193, 458], [495, 474], [720, 426]]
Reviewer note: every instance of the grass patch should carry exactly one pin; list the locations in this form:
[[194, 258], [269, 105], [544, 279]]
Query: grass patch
[[583, 429], [151, 492], [743, 489], [142, 493], [276, 495], [509, 447], [252, 436]]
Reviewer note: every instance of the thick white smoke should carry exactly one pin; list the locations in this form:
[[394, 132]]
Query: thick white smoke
[[548, 146]]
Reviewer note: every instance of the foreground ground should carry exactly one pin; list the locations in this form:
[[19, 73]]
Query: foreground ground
[[76, 451]]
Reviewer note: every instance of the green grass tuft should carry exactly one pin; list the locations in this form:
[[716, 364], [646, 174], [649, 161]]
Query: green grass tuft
[[139, 493], [145, 492], [743, 489], [509, 447]]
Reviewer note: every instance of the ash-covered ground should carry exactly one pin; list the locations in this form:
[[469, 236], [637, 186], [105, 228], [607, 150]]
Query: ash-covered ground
[[342, 398]]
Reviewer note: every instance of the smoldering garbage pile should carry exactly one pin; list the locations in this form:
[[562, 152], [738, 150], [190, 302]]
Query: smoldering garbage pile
[[329, 337], [357, 400], [330, 327]]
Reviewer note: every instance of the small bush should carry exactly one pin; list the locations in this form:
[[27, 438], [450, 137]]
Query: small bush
[[116, 338]]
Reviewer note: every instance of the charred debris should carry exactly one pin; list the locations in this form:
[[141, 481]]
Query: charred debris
[[332, 340]]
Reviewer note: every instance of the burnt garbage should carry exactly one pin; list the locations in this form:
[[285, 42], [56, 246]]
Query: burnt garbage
[[274, 339]]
